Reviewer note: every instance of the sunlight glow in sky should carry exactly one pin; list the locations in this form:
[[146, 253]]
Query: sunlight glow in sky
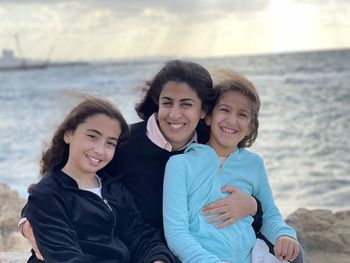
[[106, 29]]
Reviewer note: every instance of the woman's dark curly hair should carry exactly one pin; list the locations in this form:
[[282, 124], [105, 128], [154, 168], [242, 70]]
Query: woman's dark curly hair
[[193, 74]]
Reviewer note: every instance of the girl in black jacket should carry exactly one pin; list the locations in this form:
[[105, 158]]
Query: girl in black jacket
[[79, 214]]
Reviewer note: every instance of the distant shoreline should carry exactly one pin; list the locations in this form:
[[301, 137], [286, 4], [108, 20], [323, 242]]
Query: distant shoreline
[[38, 66], [162, 59]]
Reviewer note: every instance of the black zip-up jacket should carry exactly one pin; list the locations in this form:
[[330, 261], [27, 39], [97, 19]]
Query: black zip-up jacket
[[74, 225]]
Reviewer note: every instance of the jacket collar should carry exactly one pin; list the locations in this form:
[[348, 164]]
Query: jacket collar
[[68, 182]]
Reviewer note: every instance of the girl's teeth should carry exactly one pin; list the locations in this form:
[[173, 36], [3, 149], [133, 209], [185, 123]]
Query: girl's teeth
[[94, 160], [228, 130], [176, 126]]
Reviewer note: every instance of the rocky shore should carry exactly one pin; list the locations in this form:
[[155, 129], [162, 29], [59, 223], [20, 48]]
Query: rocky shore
[[324, 235], [13, 247]]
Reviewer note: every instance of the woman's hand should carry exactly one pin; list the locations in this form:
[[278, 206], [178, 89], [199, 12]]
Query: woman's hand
[[286, 248], [232, 208], [27, 232]]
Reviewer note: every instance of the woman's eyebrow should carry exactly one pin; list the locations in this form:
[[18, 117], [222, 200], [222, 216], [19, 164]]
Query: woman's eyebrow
[[184, 99], [187, 99], [165, 98], [95, 131]]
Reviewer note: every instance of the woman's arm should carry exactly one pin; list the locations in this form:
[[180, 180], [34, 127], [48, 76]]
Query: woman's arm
[[53, 231], [176, 217], [232, 208]]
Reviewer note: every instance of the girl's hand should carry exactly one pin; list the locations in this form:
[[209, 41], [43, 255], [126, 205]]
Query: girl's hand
[[286, 248], [159, 261], [27, 232], [232, 208]]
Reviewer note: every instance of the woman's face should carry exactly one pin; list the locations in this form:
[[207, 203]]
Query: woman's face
[[180, 110]]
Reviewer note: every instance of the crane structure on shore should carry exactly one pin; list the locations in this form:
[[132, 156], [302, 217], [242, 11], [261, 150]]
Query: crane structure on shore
[[23, 61]]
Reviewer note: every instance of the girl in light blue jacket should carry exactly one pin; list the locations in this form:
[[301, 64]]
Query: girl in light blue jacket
[[195, 178]]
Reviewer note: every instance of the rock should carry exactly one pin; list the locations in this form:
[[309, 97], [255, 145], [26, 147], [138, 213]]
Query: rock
[[10, 210], [16, 242], [324, 235], [14, 257]]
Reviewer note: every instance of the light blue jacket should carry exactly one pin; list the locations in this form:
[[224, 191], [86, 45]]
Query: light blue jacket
[[194, 179]]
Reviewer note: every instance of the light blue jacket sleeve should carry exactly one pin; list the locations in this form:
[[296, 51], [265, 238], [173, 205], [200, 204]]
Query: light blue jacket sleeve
[[273, 225], [176, 216]]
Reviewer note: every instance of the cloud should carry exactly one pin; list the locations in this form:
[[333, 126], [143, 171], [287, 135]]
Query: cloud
[[324, 2], [119, 28], [73, 16], [334, 13], [179, 6], [185, 5], [30, 2]]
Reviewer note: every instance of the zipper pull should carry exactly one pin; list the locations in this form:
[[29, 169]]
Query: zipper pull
[[222, 160], [106, 202]]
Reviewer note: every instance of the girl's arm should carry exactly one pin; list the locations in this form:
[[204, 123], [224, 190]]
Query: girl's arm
[[144, 242], [273, 225], [27, 231], [53, 231], [176, 217]]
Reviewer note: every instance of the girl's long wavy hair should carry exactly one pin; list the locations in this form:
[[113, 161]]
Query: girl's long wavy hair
[[57, 152], [229, 80]]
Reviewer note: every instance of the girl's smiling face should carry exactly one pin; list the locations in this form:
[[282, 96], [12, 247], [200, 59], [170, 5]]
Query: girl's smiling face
[[92, 144], [229, 122]]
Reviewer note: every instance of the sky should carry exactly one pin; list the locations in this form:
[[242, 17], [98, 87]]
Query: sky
[[117, 29]]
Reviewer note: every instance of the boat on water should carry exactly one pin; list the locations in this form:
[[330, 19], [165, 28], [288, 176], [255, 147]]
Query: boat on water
[[8, 62]]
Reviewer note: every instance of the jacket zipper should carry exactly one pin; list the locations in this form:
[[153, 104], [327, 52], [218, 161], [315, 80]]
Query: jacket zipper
[[221, 165], [113, 214], [106, 202]]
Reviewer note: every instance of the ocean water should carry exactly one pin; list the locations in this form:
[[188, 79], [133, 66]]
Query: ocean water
[[304, 118]]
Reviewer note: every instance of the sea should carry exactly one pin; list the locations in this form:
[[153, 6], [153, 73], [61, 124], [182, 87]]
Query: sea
[[304, 118]]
